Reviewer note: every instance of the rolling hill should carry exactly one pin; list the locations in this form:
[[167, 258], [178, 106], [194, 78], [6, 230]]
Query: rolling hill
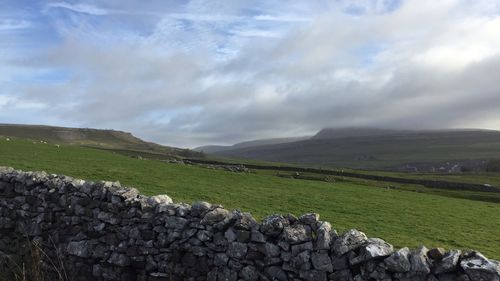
[[369, 148], [117, 141]]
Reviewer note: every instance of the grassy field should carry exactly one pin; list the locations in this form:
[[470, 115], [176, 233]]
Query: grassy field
[[463, 194], [492, 178], [401, 217]]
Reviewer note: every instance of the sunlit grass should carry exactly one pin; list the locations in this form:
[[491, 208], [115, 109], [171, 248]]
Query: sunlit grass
[[401, 217]]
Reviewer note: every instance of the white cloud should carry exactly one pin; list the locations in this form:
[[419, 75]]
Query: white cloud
[[4, 100], [210, 72], [255, 33], [282, 18], [13, 24], [80, 8]]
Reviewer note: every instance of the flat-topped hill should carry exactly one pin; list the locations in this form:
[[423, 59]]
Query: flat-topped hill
[[369, 148], [119, 141]]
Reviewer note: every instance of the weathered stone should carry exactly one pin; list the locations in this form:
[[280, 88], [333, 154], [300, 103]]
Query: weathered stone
[[273, 225], [214, 216], [80, 249], [297, 234], [373, 269], [182, 210], [257, 237], [108, 217], [399, 261], [220, 259], [453, 277], [249, 273], [448, 263], [225, 223], [340, 263], [200, 208], [309, 219], [301, 259], [308, 246], [227, 274], [342, 275], [237, 250], [419, 261], [479, 268], [159, 199], [99, 227], [272, 250], [204, 235], [245, 221], [276, 273], [130, 193], [119, 259], [322, 261], [313, 275], [372, 248], [230, 235], [323, 236], [436, 254], [242, 235], [348, 241], [285, 246]]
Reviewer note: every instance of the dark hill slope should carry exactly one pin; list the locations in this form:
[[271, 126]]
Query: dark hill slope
[[376, 149], [254, 143]]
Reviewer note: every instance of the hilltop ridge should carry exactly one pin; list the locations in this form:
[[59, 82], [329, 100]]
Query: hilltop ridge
[[115, 140], [375, 148]]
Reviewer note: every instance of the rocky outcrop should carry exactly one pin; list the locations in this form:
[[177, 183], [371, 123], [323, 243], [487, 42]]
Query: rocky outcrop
[[108, 232]]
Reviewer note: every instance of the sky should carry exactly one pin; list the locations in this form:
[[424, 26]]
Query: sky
[[189, 73]]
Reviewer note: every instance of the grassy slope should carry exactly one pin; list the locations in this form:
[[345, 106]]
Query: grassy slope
[[97, 138], [400, 217]]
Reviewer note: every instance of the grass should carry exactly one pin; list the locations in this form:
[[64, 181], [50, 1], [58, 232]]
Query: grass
[[455, 193], [401, 217], [492, 178], [32, 263]]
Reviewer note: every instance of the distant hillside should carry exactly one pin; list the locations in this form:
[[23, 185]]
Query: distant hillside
[[380, 148], [254, 143], [350, 132], [118, 141]]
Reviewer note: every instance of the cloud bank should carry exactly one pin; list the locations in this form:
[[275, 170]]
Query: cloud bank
[[202, 72]]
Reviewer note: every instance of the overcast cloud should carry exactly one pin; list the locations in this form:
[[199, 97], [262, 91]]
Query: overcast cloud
[[189, 73]]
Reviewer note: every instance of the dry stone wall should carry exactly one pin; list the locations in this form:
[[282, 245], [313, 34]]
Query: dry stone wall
[[102, 231]]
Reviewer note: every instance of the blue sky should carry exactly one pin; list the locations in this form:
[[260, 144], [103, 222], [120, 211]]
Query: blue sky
[[189, 73]]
